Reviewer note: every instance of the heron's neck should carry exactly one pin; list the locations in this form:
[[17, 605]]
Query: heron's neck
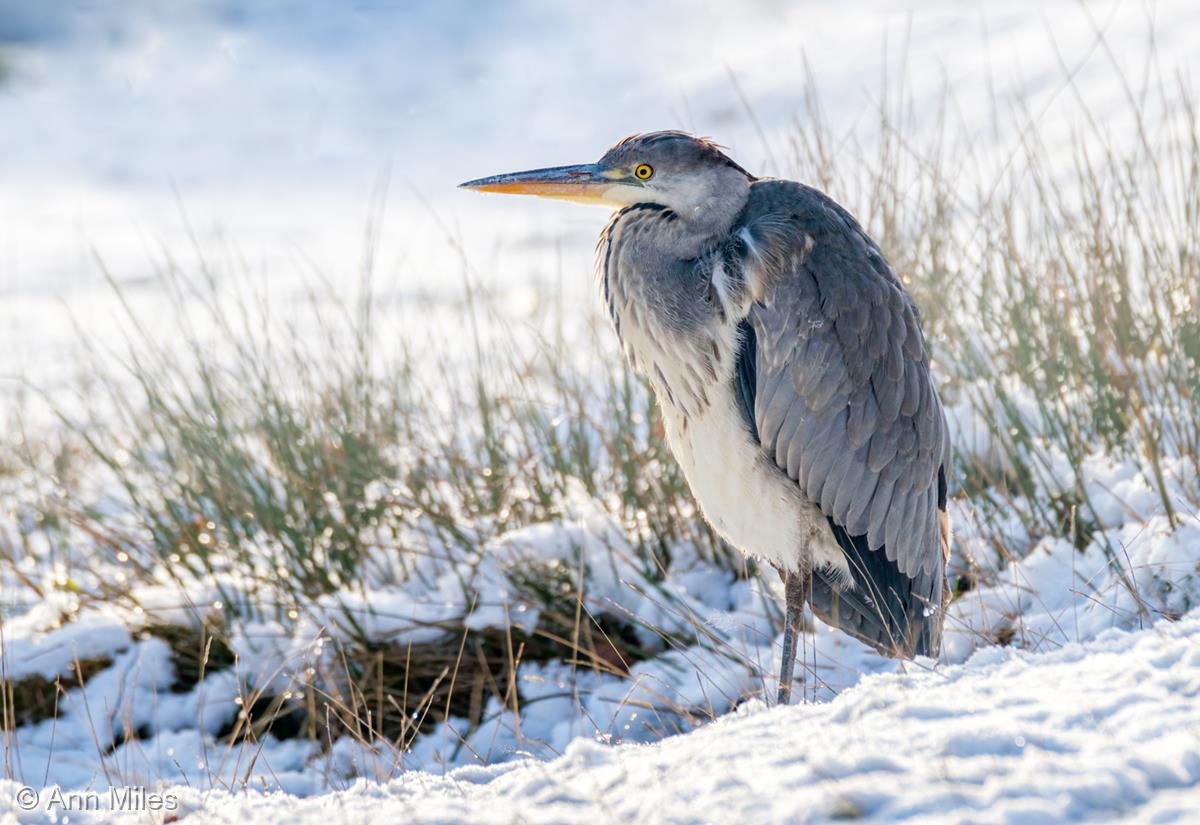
[[710, 212]]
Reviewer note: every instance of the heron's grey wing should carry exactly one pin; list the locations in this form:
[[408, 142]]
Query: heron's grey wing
[[845, 404]]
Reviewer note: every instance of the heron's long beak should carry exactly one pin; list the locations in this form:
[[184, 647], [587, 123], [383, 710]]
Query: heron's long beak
[[585, 183]]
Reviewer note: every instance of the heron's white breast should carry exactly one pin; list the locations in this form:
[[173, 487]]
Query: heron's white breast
[[751, 504]]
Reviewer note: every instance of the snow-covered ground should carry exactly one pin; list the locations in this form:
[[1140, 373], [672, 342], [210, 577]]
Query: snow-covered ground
[[259, 135], [1102, 730]]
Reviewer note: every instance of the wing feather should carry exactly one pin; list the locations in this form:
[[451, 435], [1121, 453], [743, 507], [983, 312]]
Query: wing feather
[[882, 451], [786, 456], [775, 406], [864, 415], [850, 487], [859, 509]]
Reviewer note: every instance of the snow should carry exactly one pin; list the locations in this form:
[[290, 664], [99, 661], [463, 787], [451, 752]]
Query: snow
[[1084, 655], [1104, 729], [53, 653]]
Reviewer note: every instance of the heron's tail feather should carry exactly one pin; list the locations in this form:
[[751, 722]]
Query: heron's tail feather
[[897, 615]]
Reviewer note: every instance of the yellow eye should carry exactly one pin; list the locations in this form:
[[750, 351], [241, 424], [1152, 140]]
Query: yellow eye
[[644, 171]]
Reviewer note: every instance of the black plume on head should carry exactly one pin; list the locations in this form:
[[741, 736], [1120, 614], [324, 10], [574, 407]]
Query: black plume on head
[[671, 146]]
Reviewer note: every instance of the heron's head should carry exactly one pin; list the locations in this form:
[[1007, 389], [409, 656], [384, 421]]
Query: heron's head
[[689, 175]]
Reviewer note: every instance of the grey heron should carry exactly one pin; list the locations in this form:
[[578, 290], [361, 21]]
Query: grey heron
[[792, 375]]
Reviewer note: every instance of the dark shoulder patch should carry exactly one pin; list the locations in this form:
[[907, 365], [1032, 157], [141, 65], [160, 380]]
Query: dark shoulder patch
[[745, 376]]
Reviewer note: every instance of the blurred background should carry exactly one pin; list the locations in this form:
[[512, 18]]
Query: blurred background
[[271, 131]]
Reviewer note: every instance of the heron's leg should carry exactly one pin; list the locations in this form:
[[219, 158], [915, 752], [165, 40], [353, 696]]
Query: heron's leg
[[795, 589]]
